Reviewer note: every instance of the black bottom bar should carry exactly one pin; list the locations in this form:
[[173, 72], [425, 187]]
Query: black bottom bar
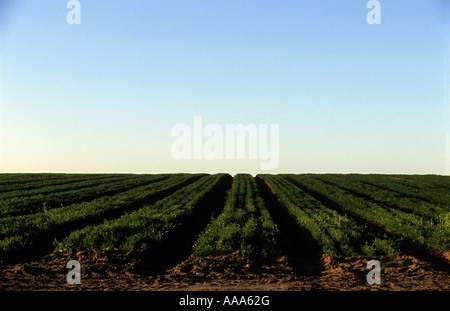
[[206, 300]]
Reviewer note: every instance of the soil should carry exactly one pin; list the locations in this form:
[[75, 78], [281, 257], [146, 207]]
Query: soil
[[113, 271]]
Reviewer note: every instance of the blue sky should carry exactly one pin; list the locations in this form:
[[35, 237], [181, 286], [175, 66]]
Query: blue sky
[[103, 96]]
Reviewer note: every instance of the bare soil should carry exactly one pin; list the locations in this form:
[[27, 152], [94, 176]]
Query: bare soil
[[112, 271]]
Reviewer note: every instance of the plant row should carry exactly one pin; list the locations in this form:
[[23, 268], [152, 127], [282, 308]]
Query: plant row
[[393, 198], [18, 233], [427, 182], [335, 233], [244, 225], [143, 229], [21, 182], [72, 184], [85, 191], [424, 188], [434, 233]]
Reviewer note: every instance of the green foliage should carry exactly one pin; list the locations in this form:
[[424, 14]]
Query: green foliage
[[244, 225], [136, 212], [30, 229], [337, 234], [45, 198], [140, 230], [403, 221]]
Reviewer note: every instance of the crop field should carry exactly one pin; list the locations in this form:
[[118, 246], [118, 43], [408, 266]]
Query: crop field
[[201, 227]]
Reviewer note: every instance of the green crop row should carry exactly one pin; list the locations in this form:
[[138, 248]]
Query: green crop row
[[424, 188], [244, 224], [142, 229], [71, 184], [434, 233], [411, 204], [22, 182], [426, 182], [18, 233], [43, 202], [337, 234], [21, 178]]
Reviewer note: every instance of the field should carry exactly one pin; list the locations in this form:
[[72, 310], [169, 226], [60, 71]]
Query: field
[[202, 231]]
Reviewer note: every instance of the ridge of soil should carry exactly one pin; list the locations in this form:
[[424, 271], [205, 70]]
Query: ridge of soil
[[114, 271]]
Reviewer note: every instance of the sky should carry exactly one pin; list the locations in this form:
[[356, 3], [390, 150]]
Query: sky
[[104, 95]]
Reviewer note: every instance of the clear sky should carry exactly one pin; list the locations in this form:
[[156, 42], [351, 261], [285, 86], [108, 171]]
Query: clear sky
[[103, 96]]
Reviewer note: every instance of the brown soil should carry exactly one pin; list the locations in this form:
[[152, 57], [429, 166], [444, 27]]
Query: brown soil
[[116, 271]]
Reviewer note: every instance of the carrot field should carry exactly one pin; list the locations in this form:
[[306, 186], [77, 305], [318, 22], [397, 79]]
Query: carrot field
[[172, 216]]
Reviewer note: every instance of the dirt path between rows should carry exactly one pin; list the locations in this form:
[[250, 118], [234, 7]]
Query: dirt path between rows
[[127, 272]]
